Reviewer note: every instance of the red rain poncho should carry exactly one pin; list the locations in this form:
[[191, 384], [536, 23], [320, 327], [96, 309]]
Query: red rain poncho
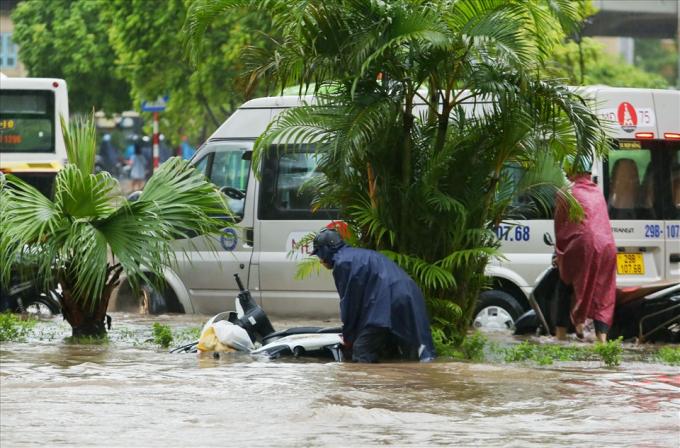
[[586, 254]]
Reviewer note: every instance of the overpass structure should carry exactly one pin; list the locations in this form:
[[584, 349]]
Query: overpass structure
[[658, 19], [635, 18]]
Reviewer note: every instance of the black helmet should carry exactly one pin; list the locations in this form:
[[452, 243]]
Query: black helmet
[[327, 238]]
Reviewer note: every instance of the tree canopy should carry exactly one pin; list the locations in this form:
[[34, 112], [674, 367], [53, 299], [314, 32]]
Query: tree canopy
[[69, 39], [598, 67], [151, 55], [421, 109], [114, 54]]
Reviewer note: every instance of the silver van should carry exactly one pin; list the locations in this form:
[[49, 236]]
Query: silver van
[[641, 180]]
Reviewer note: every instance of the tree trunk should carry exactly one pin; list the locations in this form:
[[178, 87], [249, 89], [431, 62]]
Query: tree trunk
[[86, 320]]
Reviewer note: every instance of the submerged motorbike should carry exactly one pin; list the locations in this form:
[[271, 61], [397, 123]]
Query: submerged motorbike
[[648, 313], [262, 339]]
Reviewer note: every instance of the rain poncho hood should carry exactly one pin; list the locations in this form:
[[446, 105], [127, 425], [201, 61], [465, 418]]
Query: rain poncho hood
[[375, 292], [586, 254], [327, 253]]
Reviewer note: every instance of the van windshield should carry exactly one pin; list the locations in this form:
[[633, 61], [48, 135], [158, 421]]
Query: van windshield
[[227, 165], [642, 180]]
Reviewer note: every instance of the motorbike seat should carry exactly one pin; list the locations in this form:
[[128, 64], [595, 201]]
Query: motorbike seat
[[299, 330], [630, 294]]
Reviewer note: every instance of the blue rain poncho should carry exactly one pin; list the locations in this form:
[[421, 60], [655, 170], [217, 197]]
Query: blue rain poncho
[[375, 292]]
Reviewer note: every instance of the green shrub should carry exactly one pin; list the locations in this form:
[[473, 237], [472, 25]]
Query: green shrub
[[473, 346], [669, 355], [162, 335], [442, 345], [520, 352], [610, 352], [14, 328]]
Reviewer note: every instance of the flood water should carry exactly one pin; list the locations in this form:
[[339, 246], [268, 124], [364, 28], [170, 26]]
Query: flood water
[[130, 393]]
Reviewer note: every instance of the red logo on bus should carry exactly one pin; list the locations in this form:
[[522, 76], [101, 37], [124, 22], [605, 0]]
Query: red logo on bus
[[627, 116]]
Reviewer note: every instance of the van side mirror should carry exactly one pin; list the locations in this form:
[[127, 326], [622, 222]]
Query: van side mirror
[[547, 239], [134, 196]]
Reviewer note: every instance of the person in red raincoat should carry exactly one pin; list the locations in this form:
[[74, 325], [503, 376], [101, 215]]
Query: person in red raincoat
[[586, 258]]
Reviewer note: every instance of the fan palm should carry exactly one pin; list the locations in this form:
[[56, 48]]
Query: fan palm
[[421, 106], [90, 233]]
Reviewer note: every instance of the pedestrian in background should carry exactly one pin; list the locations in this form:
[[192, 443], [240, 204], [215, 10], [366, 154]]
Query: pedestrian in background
[[186, 150], [138, 168]]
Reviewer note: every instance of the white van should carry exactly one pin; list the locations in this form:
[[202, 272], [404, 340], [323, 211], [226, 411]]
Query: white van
[[274, 214], [641, 182]]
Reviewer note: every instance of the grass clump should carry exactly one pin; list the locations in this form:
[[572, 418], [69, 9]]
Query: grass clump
[[162, 335], [669, 355], [87, 340], [14, 328], [472, 347], [187, 334], [610, 352], [545, 354]]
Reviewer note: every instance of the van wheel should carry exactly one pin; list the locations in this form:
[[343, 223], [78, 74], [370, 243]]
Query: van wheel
[[158, 300], [147, 300], [496, 311]]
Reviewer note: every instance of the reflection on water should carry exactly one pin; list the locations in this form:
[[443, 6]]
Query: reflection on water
[[53, 393]]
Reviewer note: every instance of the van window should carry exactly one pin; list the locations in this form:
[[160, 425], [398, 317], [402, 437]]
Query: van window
[[638, 181], [537, 204], [286, 188], [674, 180], [227, 165], [202, 165]]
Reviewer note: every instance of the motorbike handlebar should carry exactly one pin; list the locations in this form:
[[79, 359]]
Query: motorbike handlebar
[[239, 283]]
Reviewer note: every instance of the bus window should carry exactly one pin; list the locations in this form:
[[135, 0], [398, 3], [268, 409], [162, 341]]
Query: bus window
[[43, 182], [27, 121]]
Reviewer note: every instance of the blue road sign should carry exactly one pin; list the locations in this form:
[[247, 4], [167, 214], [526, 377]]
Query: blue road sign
[[155, 106]]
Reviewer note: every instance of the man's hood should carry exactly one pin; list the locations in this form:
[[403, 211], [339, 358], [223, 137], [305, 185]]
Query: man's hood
[[327, 254]]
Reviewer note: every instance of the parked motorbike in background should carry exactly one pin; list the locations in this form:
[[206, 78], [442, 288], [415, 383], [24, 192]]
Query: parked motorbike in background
[[647, 312], [24, 294]]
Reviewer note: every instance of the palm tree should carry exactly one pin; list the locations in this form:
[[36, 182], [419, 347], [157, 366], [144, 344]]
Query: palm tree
[[414, 171], [90, 233]]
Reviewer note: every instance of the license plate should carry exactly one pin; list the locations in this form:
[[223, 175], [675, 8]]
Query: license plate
[[630, 264]]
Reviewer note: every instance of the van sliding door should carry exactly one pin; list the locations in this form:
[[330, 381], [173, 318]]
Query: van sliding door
[[285, 218]]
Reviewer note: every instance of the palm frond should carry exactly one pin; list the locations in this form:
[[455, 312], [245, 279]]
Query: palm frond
[[307, 267], [368, 218], [27, 219], [200, 15], [84, 250], [80, 138], [427, 274], [84, 195]]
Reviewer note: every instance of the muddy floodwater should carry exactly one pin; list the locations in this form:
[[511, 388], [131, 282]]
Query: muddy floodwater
[[131, 393]]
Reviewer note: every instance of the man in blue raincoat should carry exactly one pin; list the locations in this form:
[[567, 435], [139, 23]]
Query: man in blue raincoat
[[382, 309]]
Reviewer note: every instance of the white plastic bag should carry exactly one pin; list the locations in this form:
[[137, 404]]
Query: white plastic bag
[[233, 336]]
